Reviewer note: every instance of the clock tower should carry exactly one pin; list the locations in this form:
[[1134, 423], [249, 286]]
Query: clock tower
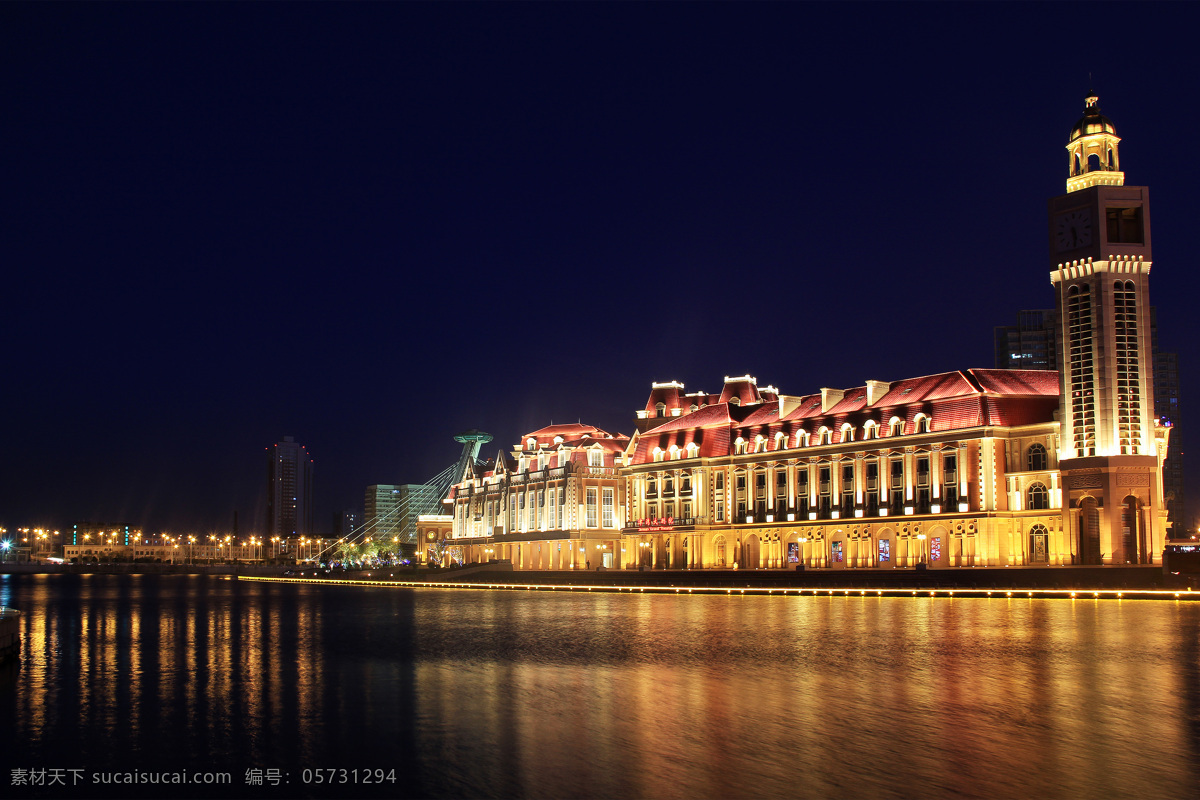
[[1111, 448]]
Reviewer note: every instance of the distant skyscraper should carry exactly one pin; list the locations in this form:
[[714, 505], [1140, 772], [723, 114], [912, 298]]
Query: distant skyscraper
[[345, 523], [1030, 343], [391, 511], [289, 489]]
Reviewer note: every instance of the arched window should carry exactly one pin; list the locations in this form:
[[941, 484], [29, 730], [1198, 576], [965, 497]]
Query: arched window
[[658, 454], [739, 446], [824, 436], [1038, 497], [694, 408], [674, 451], [922, 423], [735, 401], [719, 550], [1035, 458], [871, 429], [896, 427], [693, 450], [847, 432], [760, 444], [781, 441], [660, 409]]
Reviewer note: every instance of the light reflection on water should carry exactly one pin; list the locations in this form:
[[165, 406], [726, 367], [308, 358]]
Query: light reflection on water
[[541, 694]]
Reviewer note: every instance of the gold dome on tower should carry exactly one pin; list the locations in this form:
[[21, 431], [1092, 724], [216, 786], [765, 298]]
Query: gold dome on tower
[[1092, 149]]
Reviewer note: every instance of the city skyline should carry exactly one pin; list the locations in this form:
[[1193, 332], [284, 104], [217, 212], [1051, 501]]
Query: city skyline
[[373, 227]]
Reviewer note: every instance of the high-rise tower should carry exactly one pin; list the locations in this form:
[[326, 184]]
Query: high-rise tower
[[289, 489], [1111, 448]]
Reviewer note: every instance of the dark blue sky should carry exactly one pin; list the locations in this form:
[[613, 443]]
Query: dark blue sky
[[371, 226]]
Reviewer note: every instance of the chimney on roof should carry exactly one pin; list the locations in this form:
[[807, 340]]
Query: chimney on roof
[[787, 404], [831, 397], [876, 390]]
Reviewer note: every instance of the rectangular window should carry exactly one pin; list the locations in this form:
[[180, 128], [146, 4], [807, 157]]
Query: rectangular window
[[591, 507], [607, 519], [837, 553], [1124, 225], [553, 505], [935, 549], [793, 555], [521, 505], [686, 513], [532, 506], [720, 481], [720, 510], [595, 458], [885, 550]]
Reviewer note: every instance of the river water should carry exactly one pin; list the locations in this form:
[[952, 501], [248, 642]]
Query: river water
[[469, 693]]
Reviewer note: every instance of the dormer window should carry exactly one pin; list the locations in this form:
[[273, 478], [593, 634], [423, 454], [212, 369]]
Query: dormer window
[[739, 446], [693, 450], [658, 454], [660, 410], [735, 401], [531, 443], [896, 427], [847, 433], [922, 423], [595, 458]]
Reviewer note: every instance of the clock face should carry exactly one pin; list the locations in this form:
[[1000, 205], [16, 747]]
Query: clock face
[[1073, 229]]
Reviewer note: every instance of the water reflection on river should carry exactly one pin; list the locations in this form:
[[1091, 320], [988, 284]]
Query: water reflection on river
[[530, 694]]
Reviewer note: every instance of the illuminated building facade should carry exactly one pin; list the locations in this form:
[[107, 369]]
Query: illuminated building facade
[[289, 489], [1032, 344], [981, 467], [956, 469], [556, 502]]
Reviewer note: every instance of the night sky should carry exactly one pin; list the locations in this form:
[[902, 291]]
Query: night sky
[[371, 226]]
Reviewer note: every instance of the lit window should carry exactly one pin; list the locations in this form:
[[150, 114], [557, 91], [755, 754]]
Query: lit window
[[591, 507]]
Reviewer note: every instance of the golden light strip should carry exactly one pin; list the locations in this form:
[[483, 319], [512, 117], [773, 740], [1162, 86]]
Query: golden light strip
[[1073, 594]]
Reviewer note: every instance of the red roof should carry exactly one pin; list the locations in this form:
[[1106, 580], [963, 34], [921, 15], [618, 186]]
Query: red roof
[[1018, 381], [952, 400]]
